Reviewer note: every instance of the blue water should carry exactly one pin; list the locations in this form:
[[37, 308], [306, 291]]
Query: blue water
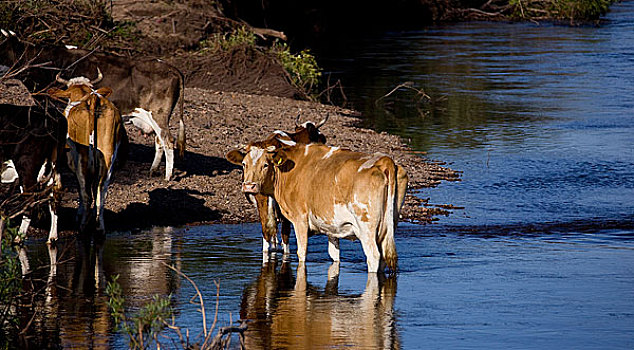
[[537, 117]]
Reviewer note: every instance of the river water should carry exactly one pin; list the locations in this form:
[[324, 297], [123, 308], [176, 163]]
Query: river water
[[540, 120]]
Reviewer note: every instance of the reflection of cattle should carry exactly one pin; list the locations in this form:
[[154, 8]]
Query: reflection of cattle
[[147, 90], [31, 139], [267, 208], [341, 193], [95, 136], [289, 313], [74, 312]]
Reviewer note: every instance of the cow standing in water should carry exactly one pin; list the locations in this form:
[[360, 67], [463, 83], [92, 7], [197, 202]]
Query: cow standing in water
[[268, 210], [97, 139], [341, 193]]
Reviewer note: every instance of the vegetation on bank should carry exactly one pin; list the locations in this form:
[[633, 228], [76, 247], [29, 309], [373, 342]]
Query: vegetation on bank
[[10, 288], [573, 12]]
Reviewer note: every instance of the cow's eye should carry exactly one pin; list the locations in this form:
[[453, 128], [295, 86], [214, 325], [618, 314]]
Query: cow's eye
[[266, 165], [244, 164]]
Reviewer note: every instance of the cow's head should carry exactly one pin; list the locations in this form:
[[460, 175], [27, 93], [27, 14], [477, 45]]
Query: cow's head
[[257, 170], [308, 132]]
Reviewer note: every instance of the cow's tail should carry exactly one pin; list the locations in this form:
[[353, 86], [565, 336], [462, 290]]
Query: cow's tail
[[390, 217], [180, 139]]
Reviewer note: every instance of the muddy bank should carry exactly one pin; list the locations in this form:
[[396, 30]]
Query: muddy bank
[[207, 187]]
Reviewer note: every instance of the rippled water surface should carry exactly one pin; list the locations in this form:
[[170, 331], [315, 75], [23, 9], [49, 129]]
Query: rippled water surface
[[540, 120]]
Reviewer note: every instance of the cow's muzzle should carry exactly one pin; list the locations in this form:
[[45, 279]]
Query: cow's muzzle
[[250, 187]]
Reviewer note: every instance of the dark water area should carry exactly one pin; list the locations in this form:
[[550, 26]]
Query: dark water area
[[538, 117]]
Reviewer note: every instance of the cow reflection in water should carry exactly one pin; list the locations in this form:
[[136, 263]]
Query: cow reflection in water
[[74, 312], [288, 312]]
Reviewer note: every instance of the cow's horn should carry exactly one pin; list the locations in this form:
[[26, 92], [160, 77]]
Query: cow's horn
[[321, 123], [297, 119], [99, 77], [60, 79]]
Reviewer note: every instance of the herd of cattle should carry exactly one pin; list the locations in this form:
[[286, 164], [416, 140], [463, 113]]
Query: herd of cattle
[[290, 177]]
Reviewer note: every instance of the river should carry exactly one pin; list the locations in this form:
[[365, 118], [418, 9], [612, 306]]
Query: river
[[539, 118]]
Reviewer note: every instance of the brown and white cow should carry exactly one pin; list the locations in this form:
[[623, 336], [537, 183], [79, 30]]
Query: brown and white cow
[[341, 193], [96, 137], [268, 211]]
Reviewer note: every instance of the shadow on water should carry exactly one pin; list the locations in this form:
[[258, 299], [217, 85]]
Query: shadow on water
[[288, 312]]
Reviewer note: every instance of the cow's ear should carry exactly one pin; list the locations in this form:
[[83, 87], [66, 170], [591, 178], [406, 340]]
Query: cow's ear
[[58, 93], [104, 91], [279, 158], [235, 157]]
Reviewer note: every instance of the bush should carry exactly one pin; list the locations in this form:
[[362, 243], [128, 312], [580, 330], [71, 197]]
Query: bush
[[302, 67], [227, 41], [10, 287]]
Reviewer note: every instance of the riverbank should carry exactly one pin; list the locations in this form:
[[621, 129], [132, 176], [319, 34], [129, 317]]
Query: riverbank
[[206, 188]]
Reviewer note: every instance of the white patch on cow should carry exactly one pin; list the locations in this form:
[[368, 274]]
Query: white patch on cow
[[71, 47], [330, 152], [70, 106], [79, 81], [287, 142], [42, 173], [143, 120], [281, 133], [255, 153], [360, 205], [9, 174], [370, 162], [306, 148]]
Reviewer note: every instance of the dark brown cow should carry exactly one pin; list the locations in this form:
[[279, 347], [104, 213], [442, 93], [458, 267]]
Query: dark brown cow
[[31, 139], [268, 211], [96, 137], [145, 89], [341, 193]]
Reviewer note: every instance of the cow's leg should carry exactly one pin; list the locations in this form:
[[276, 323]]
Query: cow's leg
[[52, 233], [52, 208], [24, 227], [158, 154], [333, 248], [85, 193], [371, 250], [24, 259], [301, 236], [268, 221], [286, 232]]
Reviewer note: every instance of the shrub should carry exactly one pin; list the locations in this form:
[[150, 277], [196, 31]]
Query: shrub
[[302, 67]]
